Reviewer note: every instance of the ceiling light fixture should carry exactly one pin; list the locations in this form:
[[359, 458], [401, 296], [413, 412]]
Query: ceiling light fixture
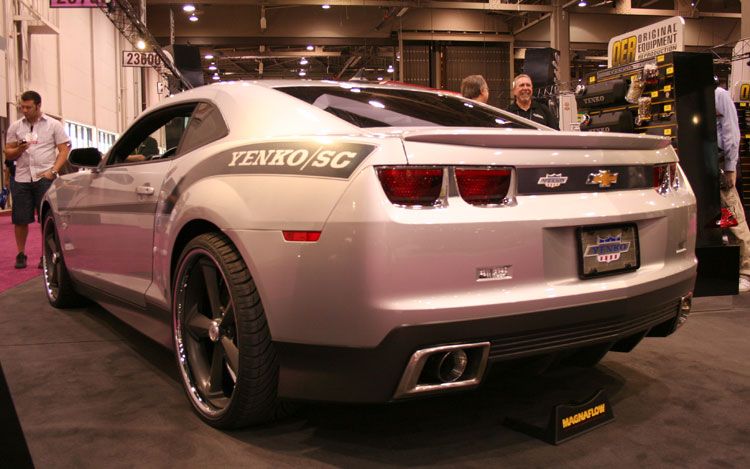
[[141, 44], [189, 8], [325, 6], [390, 69], [216, 77], [193, 18], [302, 73], [583, 3], [310, 47], [303, 61], [212, 67], [208, 56]]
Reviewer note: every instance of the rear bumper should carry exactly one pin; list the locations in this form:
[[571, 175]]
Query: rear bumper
[[347, 374]]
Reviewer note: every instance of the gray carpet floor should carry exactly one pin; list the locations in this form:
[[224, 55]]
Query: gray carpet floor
[[91, 392]]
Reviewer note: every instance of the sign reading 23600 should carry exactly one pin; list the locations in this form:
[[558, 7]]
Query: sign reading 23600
[[140, 59]]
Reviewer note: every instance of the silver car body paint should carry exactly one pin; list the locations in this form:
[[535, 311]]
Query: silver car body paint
[[377, 266]]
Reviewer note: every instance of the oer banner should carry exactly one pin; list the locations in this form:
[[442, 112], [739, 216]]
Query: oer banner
[[645, 43]]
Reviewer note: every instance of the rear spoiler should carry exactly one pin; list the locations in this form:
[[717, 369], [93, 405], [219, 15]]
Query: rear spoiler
[[538, 139]]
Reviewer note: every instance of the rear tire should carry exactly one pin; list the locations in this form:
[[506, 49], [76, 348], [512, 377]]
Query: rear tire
[[57, 282], [223, 347]]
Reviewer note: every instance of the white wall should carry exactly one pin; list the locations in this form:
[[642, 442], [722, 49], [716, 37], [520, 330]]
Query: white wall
[[78, 72], [106, 66]]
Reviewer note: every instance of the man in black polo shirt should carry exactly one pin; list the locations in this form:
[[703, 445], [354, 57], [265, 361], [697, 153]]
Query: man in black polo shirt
[[524, 106]]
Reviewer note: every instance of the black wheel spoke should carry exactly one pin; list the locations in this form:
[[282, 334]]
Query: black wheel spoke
[[227, 320], [215, 380], [197, 323], [55, 272], [51, 244], [232, 353], [211, 281]]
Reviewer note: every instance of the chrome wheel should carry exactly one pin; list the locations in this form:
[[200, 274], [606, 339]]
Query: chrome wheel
[[223, 347], [51, 261], [206, 333], [57, 282]]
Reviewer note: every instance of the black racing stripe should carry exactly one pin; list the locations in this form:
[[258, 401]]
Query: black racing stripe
[[555, 180], [294, 158], [117, 208]]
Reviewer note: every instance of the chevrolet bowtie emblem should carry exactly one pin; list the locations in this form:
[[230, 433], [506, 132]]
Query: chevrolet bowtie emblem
[[603, 178]]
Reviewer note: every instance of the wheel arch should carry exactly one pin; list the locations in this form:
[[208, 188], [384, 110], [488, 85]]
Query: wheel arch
[[189, 231]]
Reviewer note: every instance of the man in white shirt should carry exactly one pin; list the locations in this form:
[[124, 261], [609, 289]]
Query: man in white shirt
[[728, 139], [39, 146]]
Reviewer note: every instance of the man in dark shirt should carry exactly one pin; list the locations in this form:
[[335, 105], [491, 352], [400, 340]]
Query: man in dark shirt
[[525, 106]]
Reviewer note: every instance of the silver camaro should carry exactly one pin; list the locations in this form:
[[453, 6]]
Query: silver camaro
[[297, 240]]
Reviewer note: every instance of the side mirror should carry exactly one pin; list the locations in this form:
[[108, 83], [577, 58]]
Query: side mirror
[[85, 157]]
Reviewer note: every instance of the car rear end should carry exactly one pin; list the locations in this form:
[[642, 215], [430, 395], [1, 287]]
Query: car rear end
[[482, 246]]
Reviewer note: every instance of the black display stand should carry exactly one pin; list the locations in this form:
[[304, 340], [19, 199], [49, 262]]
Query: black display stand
[[567, 421], [14, 452], [680, 106]]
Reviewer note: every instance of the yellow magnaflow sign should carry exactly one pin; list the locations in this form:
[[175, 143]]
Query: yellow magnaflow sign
[[581, 417], [644, 43]]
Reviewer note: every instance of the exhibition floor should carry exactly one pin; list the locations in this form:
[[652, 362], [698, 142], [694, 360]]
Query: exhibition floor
[[92, 392]]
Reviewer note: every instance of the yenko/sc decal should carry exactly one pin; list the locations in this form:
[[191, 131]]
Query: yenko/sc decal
[[337, 160]]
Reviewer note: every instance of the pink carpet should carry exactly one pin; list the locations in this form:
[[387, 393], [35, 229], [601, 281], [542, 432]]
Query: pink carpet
[[10, 276]]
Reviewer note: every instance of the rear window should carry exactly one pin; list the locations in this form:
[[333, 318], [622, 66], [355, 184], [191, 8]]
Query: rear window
[[383, 107]]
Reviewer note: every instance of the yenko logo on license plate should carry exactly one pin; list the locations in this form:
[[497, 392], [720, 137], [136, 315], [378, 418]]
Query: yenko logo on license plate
[[607, 249]]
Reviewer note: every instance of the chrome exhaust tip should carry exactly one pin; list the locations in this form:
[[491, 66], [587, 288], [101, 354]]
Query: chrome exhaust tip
[[443, 368], [686, 304]]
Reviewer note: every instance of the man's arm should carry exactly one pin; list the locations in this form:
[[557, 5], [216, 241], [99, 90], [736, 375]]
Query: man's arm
[[729, 137], [62, 157], [13, 150]]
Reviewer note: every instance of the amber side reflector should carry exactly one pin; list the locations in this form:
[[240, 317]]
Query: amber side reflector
[[301, 236]]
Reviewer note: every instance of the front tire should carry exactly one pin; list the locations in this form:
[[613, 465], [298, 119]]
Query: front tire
[[223, 347], [57, 283]]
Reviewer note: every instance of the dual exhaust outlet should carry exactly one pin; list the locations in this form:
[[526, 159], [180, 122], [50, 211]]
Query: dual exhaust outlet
[[442, 368]]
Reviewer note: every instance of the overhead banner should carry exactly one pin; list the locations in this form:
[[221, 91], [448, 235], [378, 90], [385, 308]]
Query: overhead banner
[[657, 39], [75, 3]]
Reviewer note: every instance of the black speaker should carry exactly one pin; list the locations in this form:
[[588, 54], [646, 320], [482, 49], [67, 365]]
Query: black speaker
[[602, 94], [187, 59], [541, 66], [619, 121]]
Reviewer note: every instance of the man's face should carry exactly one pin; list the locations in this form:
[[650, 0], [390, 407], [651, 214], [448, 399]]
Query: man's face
[[523, 89], [29, 109]]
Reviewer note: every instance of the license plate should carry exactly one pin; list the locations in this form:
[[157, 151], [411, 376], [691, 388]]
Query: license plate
[[606, 250]]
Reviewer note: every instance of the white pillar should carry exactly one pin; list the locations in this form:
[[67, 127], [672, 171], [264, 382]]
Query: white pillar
[[560, 40]]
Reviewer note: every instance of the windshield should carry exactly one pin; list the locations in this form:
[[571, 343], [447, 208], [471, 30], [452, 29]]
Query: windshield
[[384, 107]]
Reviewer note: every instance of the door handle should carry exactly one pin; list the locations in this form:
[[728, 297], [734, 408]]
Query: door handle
[[144, 190]]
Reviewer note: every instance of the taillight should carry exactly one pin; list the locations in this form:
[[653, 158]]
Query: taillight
[[301, 236], [483, 186], [412, 186], [666, 178]]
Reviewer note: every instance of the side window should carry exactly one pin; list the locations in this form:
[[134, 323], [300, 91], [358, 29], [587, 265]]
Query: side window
[[153, 137], [206, 125]]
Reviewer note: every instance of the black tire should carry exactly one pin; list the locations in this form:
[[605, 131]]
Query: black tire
[[223, 347], [57, 282]]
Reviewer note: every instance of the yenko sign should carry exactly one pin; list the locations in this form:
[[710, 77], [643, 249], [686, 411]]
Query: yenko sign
[[644, 43]]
